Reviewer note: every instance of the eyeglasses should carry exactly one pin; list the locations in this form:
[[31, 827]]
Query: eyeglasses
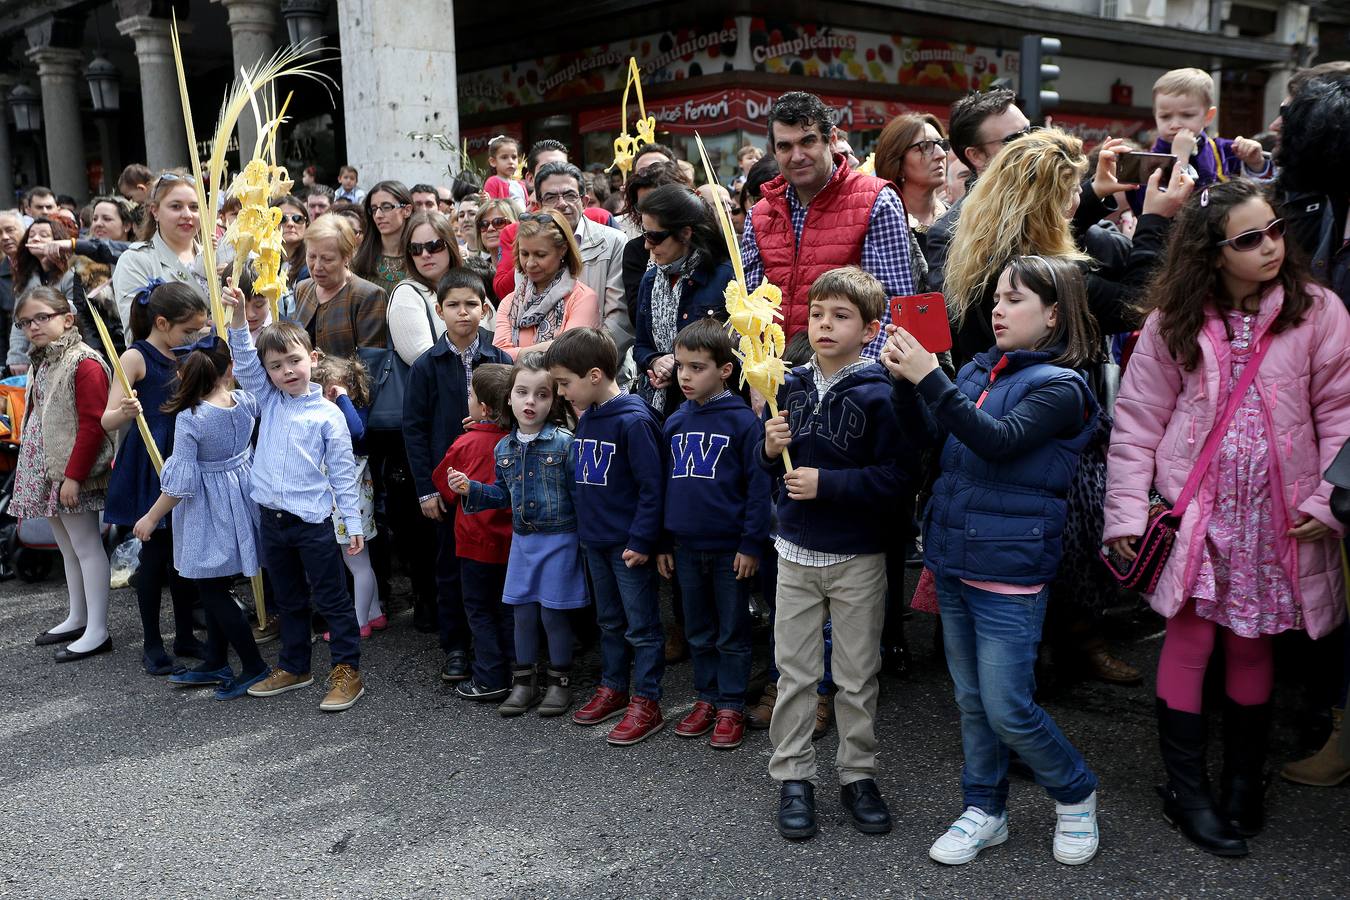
[[497, 222], [552, 198], [1009, 138], [295, 218], [1250, 240], [926, 148], [436, 246], [655, 237], [40, 320], [387, 208]]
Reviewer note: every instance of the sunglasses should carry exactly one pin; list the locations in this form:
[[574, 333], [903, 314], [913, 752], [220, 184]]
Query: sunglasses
[[655, 237], [1250, 240], [498, 222], [926, 148], [436, 246], [1009, 138], [295, 218]]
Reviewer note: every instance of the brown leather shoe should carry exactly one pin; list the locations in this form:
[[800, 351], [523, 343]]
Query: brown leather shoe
[[760, 715], [346, 688], [730, 730], [677, 648], [279, 682], [698, 722], [824, 716], [606, 704], [641, 721], [1105, 667]]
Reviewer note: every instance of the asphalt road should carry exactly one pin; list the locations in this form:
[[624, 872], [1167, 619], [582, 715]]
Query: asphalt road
[[116, 785]]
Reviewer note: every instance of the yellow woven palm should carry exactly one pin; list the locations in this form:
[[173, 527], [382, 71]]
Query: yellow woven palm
[[626, 146]]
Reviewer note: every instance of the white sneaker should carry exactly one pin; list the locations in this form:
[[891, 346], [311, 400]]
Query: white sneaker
[[968, 835], [1076, 834]]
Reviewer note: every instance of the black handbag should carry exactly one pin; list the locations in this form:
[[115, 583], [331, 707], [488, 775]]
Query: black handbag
[[388, 381]]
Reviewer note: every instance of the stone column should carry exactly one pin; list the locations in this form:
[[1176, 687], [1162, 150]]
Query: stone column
[[60, 71], [165, 135], [6, 152], [398, 76], [253, 25]]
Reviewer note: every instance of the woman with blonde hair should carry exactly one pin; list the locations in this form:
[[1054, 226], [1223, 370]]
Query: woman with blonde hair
[[340, 310], [551, 297], [485, 234]]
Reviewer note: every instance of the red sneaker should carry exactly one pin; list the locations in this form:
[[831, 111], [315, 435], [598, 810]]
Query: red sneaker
[[642, 720], [380, 622], [730, 730], [605, 705], [698, 722]]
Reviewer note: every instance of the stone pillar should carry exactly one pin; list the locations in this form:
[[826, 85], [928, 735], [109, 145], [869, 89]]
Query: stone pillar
[[61, 73], [165, 134], [253, 25], [398, 76], [6, 152]]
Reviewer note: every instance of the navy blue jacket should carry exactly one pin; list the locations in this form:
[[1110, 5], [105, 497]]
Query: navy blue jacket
[[717, 493], [532, 478], [435, 404], [866, 463], [701, 296], [618, 469], [999, 505]]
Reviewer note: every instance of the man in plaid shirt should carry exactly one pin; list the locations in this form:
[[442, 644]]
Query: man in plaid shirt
[[819, 215]]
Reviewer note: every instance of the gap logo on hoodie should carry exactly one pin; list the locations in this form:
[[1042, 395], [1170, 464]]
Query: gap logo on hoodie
[[694, 454], [842, 422], [593, 460]]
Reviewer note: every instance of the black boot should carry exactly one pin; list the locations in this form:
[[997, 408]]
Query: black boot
[[525, 693], [1246, 735], [1187, 802]]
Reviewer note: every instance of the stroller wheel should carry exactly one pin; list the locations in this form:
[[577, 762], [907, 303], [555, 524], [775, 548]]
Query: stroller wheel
[[33, 565]]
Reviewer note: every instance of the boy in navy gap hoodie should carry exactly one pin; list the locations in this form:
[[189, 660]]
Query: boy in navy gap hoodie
[[435, 404], [834, 517], [618, 470], [717, 514]]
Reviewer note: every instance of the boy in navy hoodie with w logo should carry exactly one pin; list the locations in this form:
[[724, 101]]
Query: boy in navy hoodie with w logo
[[618, 502], [835, 517], [717, 510]]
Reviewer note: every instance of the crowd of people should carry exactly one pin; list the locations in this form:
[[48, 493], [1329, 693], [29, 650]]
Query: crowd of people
[[523, 393]]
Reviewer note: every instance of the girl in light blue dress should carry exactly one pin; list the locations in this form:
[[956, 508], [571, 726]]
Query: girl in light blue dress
[[215, 522]]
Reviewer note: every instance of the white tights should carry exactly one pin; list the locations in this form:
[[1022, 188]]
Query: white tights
[[363, 586], [87, 577]]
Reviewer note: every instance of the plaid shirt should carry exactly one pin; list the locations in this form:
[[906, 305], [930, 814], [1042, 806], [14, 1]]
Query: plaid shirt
[[356, 317], [885, 252], [465, 358], [795, 553]]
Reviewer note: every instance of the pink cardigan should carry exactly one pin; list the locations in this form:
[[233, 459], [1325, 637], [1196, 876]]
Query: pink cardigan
[[1164, 414], [581, 307]]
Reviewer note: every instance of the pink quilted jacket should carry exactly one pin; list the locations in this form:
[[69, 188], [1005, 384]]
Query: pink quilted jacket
[[1164, 414]]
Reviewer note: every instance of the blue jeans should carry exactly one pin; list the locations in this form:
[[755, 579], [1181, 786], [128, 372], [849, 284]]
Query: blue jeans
[[991, 642], [490, 621], [305, 565], [630, 622], [716, 624], [454, 624]]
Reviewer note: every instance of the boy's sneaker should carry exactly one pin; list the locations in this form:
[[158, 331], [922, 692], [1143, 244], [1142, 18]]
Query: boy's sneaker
[[238, 687], [699, 721], [345, 689], [760, 715], [200, 677], [968, 835], [605, 705], [279, 682], [729, 731], [268, 633], [642, 720], [472, 690], [1076, 834]]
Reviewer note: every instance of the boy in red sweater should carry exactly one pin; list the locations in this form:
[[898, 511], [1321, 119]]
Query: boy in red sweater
[[482, 541]]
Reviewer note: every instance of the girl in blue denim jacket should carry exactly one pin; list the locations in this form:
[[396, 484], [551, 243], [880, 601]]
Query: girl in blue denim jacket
[[544, 578]]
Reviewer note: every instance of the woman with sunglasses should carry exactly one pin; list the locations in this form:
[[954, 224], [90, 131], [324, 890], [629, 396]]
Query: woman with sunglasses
[[912, 153], [689, 274], [294, 222], [167, 247], [484, 236], [432, 251], [381, 259], [1257, 552]]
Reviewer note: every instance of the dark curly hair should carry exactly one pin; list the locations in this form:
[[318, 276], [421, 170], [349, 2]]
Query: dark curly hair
[[654, 176], [801, 109], [1315, 137], [1189, 277]]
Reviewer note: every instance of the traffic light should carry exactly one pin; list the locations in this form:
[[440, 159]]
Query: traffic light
[[1036, 77]]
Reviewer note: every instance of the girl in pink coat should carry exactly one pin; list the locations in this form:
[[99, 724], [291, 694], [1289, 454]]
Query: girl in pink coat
[[1257, 551]]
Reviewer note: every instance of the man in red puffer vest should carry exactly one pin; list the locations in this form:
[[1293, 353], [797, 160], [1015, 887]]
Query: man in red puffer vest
[[819, 214]]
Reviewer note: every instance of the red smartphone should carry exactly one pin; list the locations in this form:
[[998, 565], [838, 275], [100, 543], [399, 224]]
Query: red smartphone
[[925, 317]]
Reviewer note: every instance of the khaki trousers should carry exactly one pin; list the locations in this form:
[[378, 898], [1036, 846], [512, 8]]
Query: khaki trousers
[[852, 595]]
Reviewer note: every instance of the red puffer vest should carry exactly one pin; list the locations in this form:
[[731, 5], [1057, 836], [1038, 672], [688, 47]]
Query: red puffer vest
[[836, 223]]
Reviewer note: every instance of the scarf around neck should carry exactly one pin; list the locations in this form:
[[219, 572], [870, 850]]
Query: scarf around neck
[[541, 310], [666, 297]]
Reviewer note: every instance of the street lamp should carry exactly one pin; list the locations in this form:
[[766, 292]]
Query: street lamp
[[27, 109], [305, 19], [103, 85]]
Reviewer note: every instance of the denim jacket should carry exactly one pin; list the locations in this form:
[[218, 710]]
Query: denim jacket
[[539, 479]]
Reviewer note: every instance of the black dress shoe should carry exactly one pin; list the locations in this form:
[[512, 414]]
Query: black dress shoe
[[58, 637], [863, 801], [797, 810], [456, 666], [65, 654], [193, 648], [895, 661]]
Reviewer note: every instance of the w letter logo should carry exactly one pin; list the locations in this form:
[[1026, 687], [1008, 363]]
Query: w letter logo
[[693, 455], [593, 459]]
